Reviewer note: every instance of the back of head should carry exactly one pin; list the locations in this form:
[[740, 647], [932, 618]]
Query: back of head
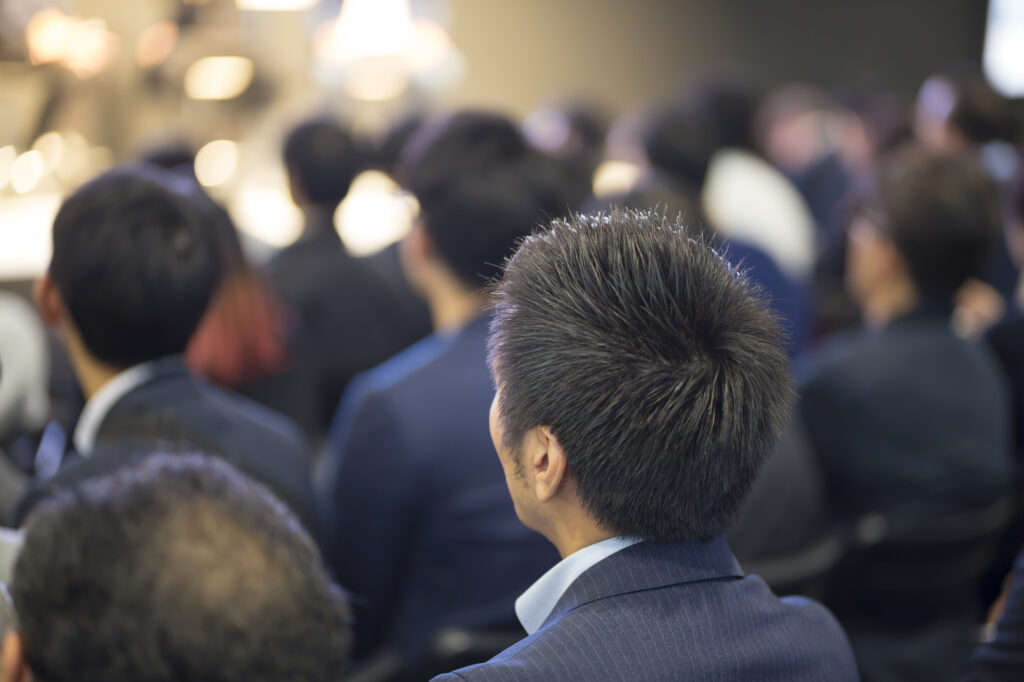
[[323, 159], [134, 263], [179, 569], [455, 144], [679, 140], [654, 363], [942, 214], [480, 189]]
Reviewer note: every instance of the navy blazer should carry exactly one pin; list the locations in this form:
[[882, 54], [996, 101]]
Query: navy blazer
[[423, 532], [675, 612], [912, 422], [175, 408]]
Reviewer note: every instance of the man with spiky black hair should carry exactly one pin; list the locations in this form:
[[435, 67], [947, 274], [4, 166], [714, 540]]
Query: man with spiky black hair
[[641, 383]]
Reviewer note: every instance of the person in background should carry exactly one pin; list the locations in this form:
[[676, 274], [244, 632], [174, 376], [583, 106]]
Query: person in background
[[641, 383], [133, 270], [346, 317], [420, 528], [909, 420], [176, 568]]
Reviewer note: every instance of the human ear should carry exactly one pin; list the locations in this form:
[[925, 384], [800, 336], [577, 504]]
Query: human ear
[[13, 667], [48, 300], [546, 462]]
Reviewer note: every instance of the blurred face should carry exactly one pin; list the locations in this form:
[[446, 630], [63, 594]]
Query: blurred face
[[866, 258]]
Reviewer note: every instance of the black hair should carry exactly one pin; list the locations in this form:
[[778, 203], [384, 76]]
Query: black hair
[[324, 159], [177, 569], [481, 188], [134, 263], [655, 363], [942, 213]]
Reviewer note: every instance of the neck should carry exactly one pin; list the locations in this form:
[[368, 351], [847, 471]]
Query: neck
[[91, 373], [452, 306], [889, 303], [572, 530]]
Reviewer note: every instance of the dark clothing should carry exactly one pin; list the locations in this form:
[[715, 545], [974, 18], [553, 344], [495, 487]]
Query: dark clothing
[[423, 531], [675, 612], [1002, 659], [786, 510], [172, 408], [388, 264], [345, 319], [911, 422], [1006, 340]]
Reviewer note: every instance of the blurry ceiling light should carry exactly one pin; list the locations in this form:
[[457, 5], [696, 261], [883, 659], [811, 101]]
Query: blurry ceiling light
[[374, 214], [156, 44], [615, 177], [431, 46], [27, 171], [47, 35], [8, 155], [218, 77], [275, 5], [1004, 46], [51, 146], [25, 232], [373, 28], [216, 162], [377, 81], [266, 211], [90, 49]]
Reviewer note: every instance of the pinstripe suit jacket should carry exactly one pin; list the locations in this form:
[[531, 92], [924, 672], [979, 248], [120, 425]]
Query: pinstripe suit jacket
[[675, 612]]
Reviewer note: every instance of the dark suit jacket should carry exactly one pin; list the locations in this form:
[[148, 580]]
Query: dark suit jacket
[[1002, 659], [345, 318], [175, 409], [675, 612], [912, 422], [424, 532]]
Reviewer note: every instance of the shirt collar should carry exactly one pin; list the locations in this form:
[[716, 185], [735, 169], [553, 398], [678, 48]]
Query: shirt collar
[[534, 605], [101, 402]]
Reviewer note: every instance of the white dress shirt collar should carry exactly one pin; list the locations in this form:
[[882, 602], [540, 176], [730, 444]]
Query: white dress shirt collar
[[535, 605], [101, 402]]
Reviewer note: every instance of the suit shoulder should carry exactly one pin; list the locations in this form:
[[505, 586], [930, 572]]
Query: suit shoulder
[[256, 417]]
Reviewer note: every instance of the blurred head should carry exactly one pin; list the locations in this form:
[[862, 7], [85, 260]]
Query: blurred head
[[931, 225], [134, 266], [957, 110], [480, 189], [322, 161], [177, 569], [637, 370], [679, 141]]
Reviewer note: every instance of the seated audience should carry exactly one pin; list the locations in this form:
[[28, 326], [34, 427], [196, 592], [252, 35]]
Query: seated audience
[[909, 420], [176, 569], [348, 317], [641, 383], [421, 529], [133, 270]]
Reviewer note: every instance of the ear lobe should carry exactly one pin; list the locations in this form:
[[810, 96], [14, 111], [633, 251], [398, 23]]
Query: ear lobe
[[549, 467], [12, 660], [48, 300]]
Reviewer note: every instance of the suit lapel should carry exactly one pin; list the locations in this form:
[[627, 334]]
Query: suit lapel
[[646, 566]]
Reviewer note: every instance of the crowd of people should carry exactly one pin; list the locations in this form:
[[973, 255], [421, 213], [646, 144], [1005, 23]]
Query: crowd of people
[[558, 431]]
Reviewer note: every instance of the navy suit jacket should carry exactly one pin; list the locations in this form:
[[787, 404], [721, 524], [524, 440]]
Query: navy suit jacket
[[423, 532], [175, 408], [675, 612], [912, 422]]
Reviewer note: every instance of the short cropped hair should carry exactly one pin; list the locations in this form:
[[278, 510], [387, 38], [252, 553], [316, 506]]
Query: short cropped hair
[[134, 264], [655, 363], [481, 189], [324, 158], [177, 569], [942, 213]]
